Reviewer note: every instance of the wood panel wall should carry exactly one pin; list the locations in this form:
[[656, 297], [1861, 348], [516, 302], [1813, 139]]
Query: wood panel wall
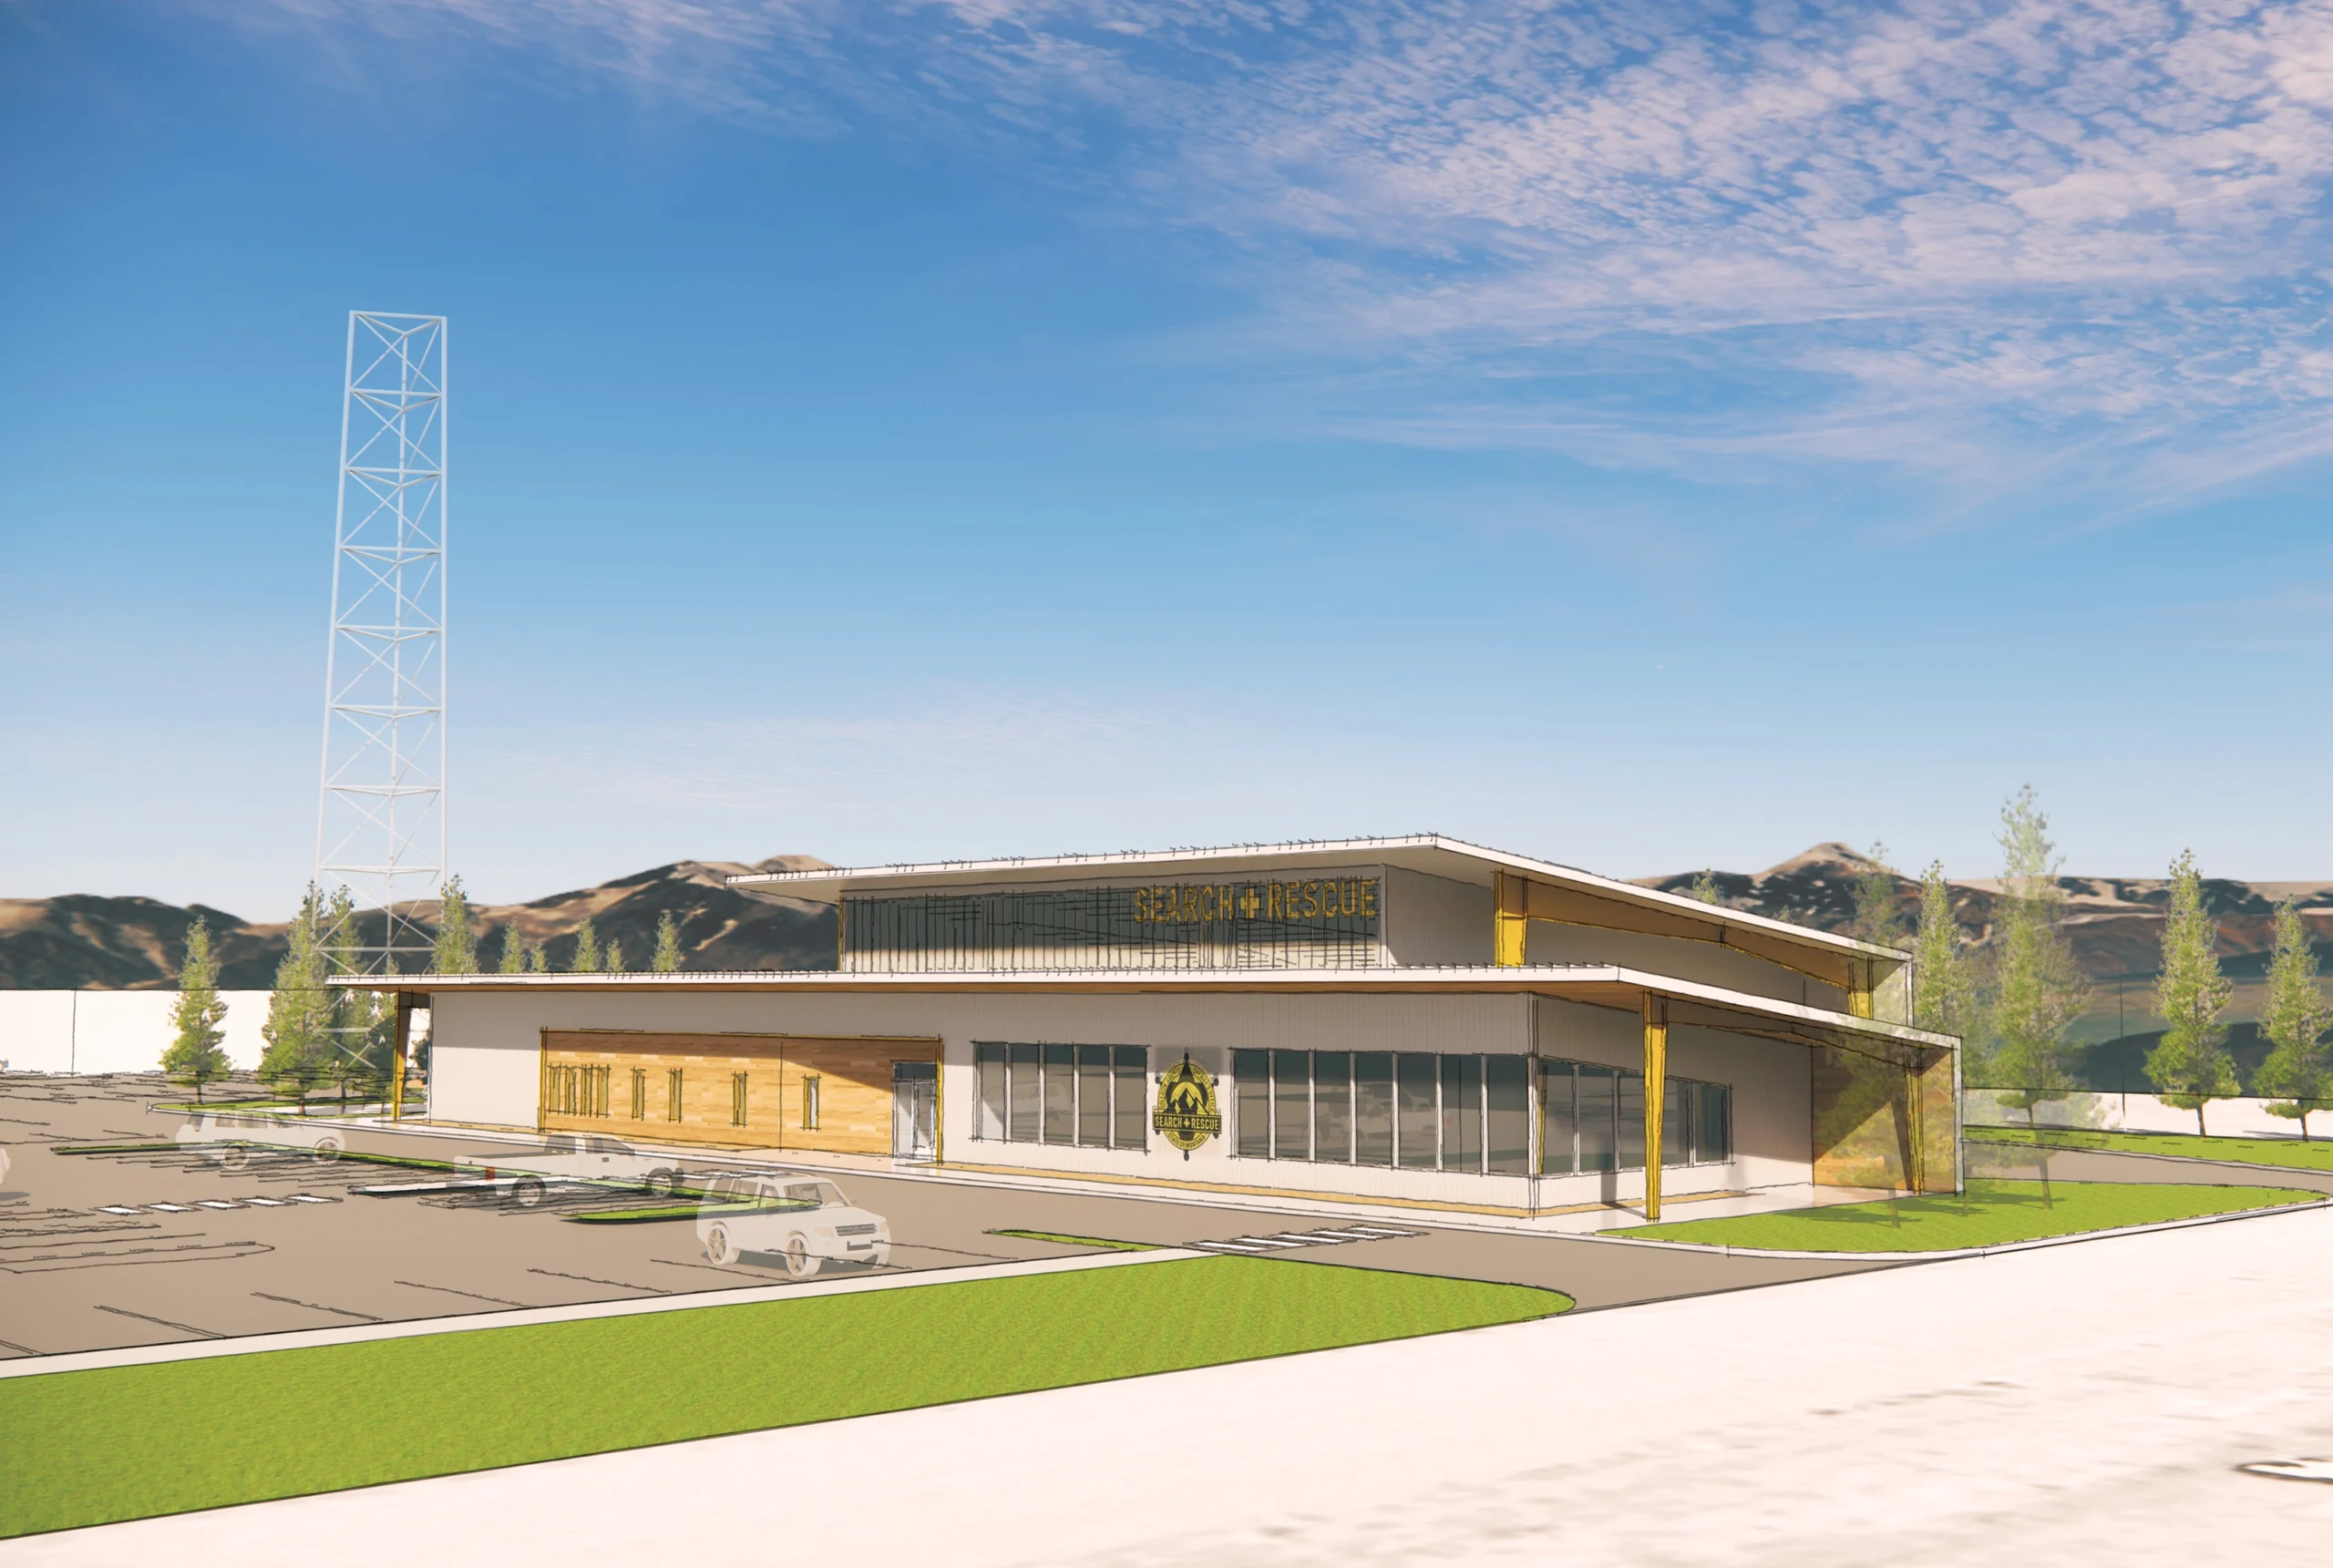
[[854, 1096]]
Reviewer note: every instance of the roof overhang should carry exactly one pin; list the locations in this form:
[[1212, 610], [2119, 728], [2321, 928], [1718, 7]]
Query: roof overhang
[[1561, 893], [1597, 985]]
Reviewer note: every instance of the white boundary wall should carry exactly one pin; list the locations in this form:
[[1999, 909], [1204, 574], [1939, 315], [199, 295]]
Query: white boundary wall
[[2239, 1117], [112, 1031]]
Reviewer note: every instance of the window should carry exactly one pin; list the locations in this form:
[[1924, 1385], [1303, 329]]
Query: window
[[1599, 1110], [1021, 1127], [1251, 1073], [1462, 1112], [672, 1094], [1061, 1095], [1415, 1123], [1414, 1110], [1090, 1095], [990, 1073], [736, 1099], [576, 1090], [1093, 1096], [1506, 1121], [639, 1093], [1292, 1105], [809, 1102], [1129, 1097], [1712, 1123], [1593, 1120], [1373, 1108], [1332, 1106]]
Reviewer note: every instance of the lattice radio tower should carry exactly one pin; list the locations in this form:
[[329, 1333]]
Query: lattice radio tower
[[381, 815]]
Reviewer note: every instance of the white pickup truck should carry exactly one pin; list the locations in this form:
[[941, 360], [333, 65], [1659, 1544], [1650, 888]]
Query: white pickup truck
[[576, 1157]]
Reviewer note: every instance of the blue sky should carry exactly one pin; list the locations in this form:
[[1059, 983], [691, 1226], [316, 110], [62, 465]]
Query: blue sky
[[1645, 435]]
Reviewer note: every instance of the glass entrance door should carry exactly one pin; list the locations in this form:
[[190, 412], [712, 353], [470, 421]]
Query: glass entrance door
[[915, 1110]]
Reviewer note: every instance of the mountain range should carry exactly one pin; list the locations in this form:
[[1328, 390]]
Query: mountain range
[[81, 940], [2114, 925]]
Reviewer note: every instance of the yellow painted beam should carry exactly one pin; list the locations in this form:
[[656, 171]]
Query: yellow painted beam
[[1656, 1091], [1510, 918]]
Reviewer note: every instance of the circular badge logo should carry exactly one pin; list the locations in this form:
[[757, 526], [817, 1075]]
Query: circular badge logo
[[1187, 1115]]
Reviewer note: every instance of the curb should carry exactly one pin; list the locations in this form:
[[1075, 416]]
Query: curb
[[1942, 1254]]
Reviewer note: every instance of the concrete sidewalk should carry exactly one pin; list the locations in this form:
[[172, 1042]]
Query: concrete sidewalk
[[2082, 1404]]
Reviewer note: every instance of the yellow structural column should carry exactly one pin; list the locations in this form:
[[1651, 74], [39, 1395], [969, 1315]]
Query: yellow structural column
[[1510, 905], [1656, 1092], [404, 1040], [1859, 987]]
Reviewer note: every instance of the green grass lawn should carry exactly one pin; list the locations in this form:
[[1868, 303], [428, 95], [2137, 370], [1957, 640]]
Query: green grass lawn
[[2286, 1154], [88, 1447], [1998, 1212]]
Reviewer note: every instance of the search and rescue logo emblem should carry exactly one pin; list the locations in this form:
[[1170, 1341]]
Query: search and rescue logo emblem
[[1187, 1115]]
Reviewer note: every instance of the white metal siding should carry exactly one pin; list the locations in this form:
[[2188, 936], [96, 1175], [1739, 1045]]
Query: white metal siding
[[1435, 920]]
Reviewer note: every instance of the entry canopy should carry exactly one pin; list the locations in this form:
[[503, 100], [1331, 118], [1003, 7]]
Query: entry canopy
[[1535, 889]]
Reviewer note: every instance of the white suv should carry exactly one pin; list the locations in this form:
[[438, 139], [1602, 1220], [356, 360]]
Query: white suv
[[805, 1221]]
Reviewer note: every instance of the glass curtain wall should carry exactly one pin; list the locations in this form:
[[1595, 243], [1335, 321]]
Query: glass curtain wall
[[1410, 1109], [1092, 1096], [1592, 1119]]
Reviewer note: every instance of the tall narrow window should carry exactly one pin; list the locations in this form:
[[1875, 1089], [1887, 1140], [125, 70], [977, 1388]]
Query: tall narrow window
[[1599, 1146], [672, 1094], [1714, 1124], [1558, 1118], [736, 1099], [1416, 1131], [1251, 1073], [1332, 1106], [1632, 1121], [988, 1067], [640, 1094], [1676, 1122], [810, 1102], [1506, 1095], [1462, 1112], [1093, 1095], [1027, 1099], [1373, 1108], [1292, 1105], [1129, 1127], [1061, 1095]]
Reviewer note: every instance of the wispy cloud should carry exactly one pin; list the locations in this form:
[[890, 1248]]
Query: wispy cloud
[[1926, 233]]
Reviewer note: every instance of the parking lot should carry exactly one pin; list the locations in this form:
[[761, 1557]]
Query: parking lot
[[100, 1250]]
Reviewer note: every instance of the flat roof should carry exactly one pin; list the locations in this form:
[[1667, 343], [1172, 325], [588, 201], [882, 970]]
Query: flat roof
[[1430, 853], [1601, 985]]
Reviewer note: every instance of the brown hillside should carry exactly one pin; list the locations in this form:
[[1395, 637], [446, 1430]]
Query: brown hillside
[[137, 944]]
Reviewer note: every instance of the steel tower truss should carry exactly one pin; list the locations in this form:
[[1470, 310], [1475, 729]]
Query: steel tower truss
[[381, 816]]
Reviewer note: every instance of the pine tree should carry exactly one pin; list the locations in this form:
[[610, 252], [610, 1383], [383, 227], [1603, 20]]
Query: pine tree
[[2037, 990], [298, 1030], [514, 951], [2295, 1020], [587, 951], [668, 945], [1944, 992], [456, 952], [350, 1016], [1705, 888], [194, 1056], [1878, 919], [2192, 1066], [538, 959], [612, 959]]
